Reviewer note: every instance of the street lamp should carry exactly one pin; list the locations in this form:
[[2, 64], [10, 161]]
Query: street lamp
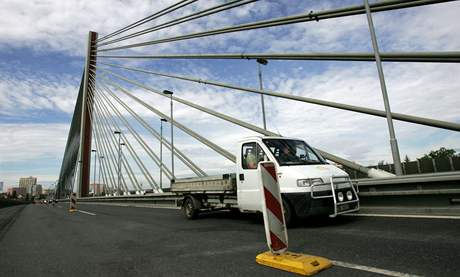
[[100, 168], [119, 165], [119, 160], [94, 176], [161, 152], [261, 61], [170, 93]]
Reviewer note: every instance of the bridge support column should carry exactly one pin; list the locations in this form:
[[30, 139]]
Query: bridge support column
[[86, 111]]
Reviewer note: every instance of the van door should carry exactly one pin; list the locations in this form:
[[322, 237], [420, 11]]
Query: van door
[[249, 195]]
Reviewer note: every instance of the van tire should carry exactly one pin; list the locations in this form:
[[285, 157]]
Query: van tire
[[289, 213], [190, 208]]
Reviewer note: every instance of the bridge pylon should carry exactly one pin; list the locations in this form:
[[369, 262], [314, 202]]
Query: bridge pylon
[[86, 111]]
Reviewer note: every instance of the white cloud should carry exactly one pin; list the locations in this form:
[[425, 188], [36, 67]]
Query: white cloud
[[24, 93], [31, 149]]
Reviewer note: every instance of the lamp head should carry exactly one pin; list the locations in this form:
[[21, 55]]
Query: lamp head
[[262, 61]]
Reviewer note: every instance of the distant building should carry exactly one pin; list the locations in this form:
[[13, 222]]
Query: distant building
[[97, 189], [48, 191], [36, 190], [27, 183], [19, 192], [1, 186]]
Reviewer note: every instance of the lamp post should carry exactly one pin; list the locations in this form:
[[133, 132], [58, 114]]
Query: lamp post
[[261, 61], [119, 165], [100, 168], [386, 101], [94, 176], [170, 93], [119, 160], [161, 152]]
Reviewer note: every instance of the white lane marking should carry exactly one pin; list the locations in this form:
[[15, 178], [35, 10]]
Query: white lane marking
[[150, 206], [373, 269], [409, 216], [85, 212]]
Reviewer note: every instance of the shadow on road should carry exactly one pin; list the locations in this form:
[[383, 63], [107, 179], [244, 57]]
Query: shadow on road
[[257, 218]]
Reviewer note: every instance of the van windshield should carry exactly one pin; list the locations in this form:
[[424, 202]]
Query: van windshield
[[292, 152]]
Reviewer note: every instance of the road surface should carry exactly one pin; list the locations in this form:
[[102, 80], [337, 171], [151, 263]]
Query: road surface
[[131, 241]]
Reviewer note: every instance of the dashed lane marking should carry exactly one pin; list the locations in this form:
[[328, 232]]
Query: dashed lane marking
[[150, 206], [409, 216], [85, 212], [373, 269]]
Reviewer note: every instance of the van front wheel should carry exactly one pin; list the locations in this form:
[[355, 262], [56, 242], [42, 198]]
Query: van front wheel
[[289, 214]]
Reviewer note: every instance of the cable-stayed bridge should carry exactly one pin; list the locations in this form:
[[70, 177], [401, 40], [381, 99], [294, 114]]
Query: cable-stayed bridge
[[126, 148], [104, 122]]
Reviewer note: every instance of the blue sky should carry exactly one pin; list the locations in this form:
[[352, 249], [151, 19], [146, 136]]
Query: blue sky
[[41, 62]]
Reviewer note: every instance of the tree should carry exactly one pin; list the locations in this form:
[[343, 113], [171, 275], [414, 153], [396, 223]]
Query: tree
[[406, 159], [440, 153]]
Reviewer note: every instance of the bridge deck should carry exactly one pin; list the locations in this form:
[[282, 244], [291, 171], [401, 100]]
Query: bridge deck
[[129, 241]]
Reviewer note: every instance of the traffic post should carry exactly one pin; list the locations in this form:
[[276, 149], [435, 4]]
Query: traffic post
[[73, 202], [276, 232]]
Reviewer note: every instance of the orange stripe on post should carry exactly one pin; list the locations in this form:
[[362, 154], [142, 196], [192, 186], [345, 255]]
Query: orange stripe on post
[[273, 205], [271, 169], [277, 244]]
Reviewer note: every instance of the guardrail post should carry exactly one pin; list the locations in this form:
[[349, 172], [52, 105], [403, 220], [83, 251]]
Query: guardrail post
[[418, 167], [86, 111], [435, 169]]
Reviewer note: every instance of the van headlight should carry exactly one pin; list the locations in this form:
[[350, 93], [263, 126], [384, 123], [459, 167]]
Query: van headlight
[[340, 196], [349, 195], [309, 182]]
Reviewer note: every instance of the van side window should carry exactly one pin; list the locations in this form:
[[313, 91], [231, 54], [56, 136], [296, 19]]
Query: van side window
[[261, 157], [251, 155]]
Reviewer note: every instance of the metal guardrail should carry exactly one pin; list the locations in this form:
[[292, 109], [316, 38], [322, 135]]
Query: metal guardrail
[[446, 183], [419, 184], [167, 199], [434, 193]]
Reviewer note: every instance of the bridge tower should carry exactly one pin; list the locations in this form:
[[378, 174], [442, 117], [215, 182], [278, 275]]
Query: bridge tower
[[86, 111]]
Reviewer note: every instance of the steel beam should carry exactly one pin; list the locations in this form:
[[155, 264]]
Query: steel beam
[[437, 57], [398, 116], [190, 132], [350, 164], [138, 138], [197, 170], [206, 12], [151, 17], [131, 150], [305, 17]]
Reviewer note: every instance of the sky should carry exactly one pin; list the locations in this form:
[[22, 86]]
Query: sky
[[43, 48]]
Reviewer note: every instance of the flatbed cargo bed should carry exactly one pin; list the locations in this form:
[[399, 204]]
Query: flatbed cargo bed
[[225, 183]]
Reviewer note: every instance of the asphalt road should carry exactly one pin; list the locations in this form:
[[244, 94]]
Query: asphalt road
[[130, 241]]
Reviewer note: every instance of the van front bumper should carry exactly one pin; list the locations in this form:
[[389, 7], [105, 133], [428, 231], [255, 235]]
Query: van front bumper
[[304, 205]]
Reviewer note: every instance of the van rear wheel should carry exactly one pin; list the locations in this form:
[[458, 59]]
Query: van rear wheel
[[190, 211]]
